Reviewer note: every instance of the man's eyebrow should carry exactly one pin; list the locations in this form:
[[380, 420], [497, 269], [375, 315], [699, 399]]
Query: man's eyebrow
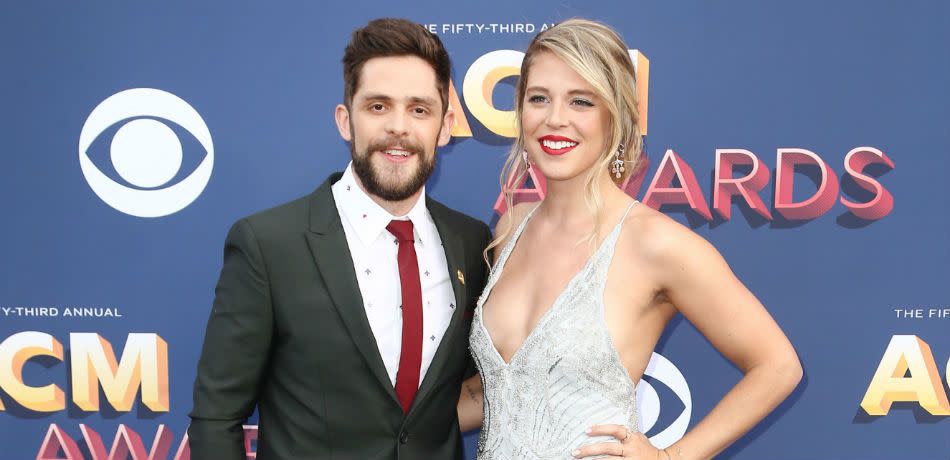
[[376, 97], [423, 100]]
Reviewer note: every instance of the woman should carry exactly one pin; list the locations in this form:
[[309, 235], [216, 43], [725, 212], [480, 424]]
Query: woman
[[584, 282]]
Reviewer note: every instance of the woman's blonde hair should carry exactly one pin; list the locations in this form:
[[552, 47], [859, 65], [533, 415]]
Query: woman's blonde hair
[[601, 58]]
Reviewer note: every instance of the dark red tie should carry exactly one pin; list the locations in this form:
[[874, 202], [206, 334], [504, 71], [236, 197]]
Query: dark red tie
[[410, 357]]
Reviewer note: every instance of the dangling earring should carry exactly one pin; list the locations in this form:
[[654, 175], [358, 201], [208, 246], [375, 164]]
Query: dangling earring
[[617, 166], [524, 156]]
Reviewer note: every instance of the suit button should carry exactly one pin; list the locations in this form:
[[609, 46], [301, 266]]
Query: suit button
[[403, 437]]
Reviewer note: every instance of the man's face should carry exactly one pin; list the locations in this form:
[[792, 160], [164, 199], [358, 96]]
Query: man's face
[[394, 124]]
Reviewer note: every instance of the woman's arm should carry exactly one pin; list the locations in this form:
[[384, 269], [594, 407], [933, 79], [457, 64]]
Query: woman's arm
[[703, 288], [694, 277], [470, 404]]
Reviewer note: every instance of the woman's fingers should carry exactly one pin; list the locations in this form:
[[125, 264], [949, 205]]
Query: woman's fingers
[[604, 448], [618, 431]]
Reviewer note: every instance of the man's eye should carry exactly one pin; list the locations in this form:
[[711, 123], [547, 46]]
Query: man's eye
[[377, 107]]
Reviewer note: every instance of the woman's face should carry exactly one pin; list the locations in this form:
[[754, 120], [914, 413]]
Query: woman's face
[[565, 123]]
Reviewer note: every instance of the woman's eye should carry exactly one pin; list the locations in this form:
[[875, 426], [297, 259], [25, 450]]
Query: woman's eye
[[583, 102], [537, 99]]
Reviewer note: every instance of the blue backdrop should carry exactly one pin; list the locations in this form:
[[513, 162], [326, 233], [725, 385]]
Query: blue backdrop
[[263, 79]]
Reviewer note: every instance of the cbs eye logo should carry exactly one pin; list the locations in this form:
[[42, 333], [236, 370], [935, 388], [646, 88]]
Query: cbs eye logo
[[661, 370], [145, 152]]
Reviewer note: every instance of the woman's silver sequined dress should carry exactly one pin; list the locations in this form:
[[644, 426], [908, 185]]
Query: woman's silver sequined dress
[[566, 376]]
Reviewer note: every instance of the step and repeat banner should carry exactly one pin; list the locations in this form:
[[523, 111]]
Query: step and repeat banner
[[808, 141]]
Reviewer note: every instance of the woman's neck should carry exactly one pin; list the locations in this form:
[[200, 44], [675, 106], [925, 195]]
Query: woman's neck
[[566, 202]]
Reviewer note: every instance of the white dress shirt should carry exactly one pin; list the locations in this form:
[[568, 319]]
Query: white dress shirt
[[374, 252]]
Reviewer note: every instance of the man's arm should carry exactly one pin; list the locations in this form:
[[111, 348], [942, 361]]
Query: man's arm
[[236, 346]]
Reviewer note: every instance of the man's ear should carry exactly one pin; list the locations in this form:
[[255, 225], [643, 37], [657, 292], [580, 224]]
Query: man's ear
[[447, 122], [342, 116]]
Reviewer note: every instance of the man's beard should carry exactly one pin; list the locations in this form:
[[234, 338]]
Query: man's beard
[[387, 184]]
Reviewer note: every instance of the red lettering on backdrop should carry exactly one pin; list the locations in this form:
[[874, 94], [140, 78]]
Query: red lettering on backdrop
[[631, 186], [883, 202], [55, 442], [127, 443], [747, 187], [672, 167], [662, 192], [816, 205]]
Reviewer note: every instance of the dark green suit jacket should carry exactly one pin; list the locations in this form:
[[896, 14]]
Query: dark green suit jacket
[[288, 334]]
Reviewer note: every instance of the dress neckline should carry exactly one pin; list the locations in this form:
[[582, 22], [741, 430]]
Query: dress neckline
[[500, 266]]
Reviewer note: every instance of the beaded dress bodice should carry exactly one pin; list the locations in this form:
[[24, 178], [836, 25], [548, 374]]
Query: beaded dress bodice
[[566, 377]]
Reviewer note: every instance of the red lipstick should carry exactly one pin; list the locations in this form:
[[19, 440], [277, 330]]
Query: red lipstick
[[556, 145]]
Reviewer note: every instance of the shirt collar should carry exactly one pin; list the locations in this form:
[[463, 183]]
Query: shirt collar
[[369, 219]]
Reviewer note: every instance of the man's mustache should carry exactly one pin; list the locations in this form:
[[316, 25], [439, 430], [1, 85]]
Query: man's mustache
[[390, 143]]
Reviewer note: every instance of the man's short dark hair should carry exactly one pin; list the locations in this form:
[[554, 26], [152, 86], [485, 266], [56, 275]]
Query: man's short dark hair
[[394, 37]]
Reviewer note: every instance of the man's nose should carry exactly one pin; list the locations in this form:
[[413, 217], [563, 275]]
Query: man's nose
[[397, 123]]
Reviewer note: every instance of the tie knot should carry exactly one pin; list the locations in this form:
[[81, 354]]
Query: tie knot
[[401, 229]]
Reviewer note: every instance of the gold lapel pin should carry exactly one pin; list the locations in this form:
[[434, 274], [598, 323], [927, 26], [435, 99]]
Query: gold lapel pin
[[461, 277]]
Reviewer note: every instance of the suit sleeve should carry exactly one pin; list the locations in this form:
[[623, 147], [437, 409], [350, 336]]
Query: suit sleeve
[[234, 355]]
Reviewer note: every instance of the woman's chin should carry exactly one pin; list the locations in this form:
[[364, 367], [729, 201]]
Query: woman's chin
[[560, 174]]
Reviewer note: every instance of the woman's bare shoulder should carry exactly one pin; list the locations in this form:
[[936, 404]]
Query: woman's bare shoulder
[[656, 238]]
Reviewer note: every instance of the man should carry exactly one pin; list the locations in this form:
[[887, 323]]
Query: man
[[344, 316]]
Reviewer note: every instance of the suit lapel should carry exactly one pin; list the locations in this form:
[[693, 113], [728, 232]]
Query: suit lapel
[[331, 253], [455, 261]]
